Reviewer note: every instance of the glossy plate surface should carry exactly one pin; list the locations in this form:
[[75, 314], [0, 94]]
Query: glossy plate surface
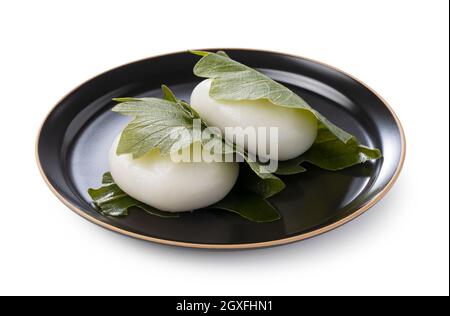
[[75, 138]]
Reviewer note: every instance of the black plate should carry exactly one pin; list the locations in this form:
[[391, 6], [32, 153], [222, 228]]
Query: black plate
[[74, 140]]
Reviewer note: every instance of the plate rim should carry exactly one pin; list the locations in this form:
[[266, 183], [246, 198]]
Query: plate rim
[[264, 244]]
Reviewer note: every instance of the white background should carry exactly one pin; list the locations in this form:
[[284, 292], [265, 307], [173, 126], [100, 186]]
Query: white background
[[400, 48]]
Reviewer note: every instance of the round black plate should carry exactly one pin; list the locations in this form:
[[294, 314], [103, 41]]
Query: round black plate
[[74, 140]]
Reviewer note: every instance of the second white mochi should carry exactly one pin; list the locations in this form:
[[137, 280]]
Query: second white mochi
[[169, 186], [297, 129]]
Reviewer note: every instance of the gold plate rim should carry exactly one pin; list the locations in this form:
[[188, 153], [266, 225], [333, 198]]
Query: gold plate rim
[[264, 244]]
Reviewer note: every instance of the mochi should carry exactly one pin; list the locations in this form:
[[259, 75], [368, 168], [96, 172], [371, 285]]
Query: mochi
[[297, 128], [158, 181]]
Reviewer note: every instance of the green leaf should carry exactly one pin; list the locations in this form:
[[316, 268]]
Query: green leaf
[[128, 99], [202, 54], [290, 167], [263, 184], [155, 121], [330, 153], [199, 52], [111, 200], [235, 81], [334, 148], [168, 94], [248, 205], [222, 53], [260, 180]]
